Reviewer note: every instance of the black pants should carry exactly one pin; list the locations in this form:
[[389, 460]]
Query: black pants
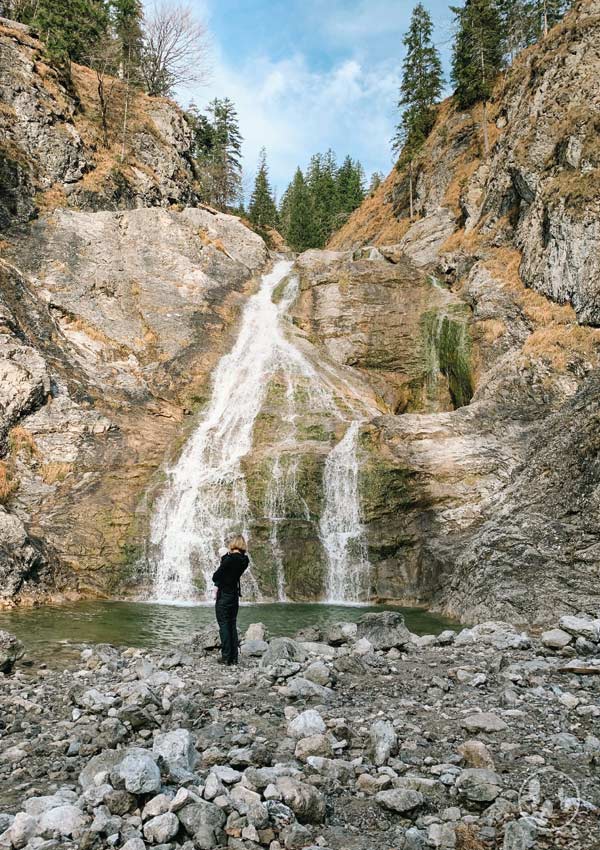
[[226, 609]]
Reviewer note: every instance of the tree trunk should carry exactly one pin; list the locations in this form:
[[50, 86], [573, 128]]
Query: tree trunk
[[486, 143], [410, 188]]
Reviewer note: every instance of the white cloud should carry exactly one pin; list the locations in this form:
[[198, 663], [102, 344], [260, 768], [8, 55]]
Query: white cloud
[[295, 111]]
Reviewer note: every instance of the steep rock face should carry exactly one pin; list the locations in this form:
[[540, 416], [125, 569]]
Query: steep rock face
[[111, 325], [492, 508], [52, 152], [381, 315]]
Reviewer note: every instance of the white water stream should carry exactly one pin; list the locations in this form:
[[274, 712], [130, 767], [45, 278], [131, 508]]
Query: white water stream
[[205, 497]]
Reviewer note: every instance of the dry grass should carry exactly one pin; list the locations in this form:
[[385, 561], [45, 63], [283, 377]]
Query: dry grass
[[374, 221], [54, 473], [21, 441], [556, 335], [8, 484], [51, 199], [467, 838], [564, 345], [216, 243], [503, 264]]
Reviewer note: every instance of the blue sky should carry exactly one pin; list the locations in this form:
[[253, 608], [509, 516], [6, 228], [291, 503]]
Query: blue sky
[[307, 75]]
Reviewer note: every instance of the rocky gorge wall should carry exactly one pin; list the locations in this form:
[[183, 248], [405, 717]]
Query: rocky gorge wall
[[491, 509]]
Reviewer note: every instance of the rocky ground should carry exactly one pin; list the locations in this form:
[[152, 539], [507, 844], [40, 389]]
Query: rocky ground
[[355, 738]]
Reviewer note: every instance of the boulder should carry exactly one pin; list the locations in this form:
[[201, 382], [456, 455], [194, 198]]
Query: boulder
[[256, 631], [383, 630], [161, 829], [479, 785], [581, 627], [556, 638], [176, 749], [307, 803], [384, 741], [204, 823], [67, 821], [404, 801], [314, 745], [280, 650], [484, 721], [307, 723], [139, 772], [337, 634], [254, 648], [11, 650], [300, 688]]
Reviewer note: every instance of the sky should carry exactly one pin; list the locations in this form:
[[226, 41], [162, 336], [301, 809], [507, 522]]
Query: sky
[[308, 75]]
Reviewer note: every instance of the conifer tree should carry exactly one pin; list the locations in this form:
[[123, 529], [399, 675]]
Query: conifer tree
[[297, 215], [375, 182], [262, 210], [350, 189], [71, 28], [218, 152], [321, 179], [422, 82], [127, 17], [477, 55]]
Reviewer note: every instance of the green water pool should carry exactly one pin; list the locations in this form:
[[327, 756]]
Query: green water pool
[[51, 629]]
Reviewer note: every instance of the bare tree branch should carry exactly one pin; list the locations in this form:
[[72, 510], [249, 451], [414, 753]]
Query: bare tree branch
[[176, 48]]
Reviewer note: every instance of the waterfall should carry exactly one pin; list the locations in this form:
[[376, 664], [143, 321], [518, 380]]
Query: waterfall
[[340, 528], [205, 496]]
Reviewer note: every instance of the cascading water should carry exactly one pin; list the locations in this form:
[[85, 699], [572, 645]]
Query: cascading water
[[340, 528], [205, 498]]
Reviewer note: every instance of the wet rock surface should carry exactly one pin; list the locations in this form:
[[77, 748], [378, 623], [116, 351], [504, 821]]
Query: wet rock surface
[[128, 748]]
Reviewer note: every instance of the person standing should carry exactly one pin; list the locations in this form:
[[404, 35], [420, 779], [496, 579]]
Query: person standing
[[227, 579]]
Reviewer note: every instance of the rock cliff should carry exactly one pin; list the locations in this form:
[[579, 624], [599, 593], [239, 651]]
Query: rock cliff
[[494, 505]]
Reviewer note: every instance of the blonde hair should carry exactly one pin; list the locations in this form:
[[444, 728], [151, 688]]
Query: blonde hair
[[238, 541]]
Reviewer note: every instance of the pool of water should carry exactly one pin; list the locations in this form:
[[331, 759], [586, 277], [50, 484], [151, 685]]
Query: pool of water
[[49, 631]]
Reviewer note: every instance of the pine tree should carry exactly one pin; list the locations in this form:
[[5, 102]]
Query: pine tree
[[71, 28], [127, 18], [350, 189], [375, 182], [262, 211], [226, 155], [297, 215], [321, 179], [477, 55], [217, 151], [422, 83]]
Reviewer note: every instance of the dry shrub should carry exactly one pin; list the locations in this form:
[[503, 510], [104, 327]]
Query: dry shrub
[[503, 264], [216, 243], [21, 441], [51, 199], [8, 483], [563, 345], [54, 473], [467, 838]]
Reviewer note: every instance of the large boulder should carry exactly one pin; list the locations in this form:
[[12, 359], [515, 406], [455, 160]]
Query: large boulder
[[307, 803], [280, 650], [176, 749], [385, 630], [11, 650], [204, 823]]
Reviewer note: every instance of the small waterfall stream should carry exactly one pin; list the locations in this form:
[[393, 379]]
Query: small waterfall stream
[[205, 497]]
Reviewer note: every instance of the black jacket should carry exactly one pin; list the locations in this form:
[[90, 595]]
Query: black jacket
[[231, 568]]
